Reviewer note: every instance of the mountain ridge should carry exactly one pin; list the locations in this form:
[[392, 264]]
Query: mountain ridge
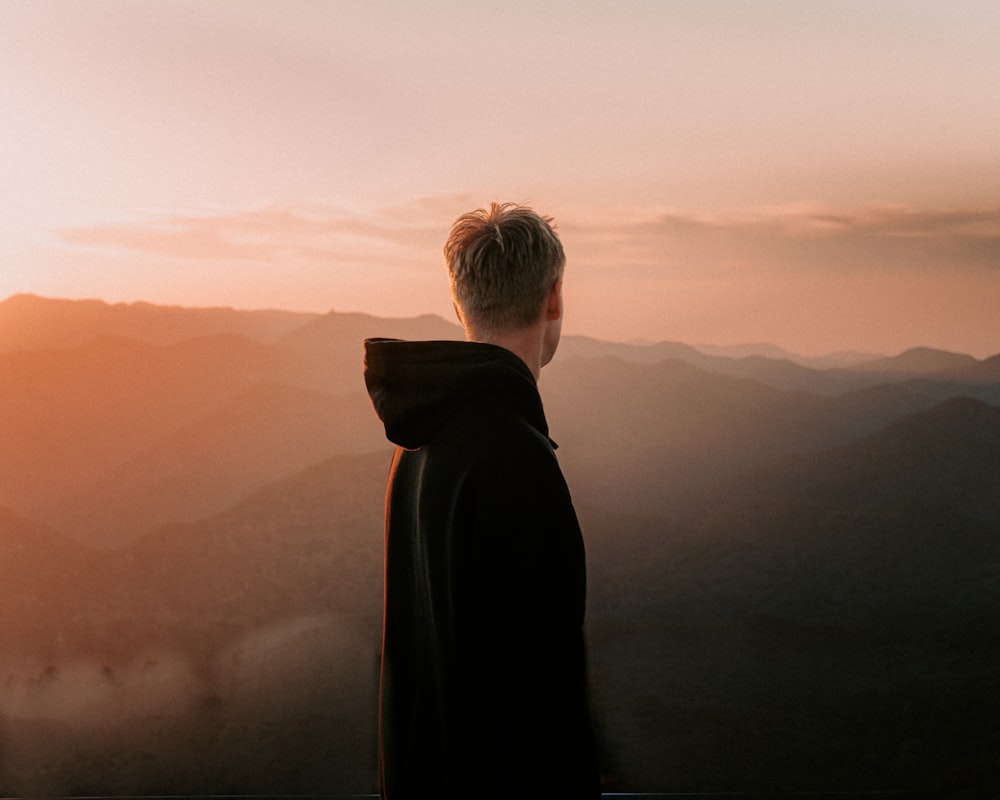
[[792, 571], [32, 322]]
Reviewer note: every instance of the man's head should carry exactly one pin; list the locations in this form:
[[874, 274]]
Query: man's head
[[506, 267]]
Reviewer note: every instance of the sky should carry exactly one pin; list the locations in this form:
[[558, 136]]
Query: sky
[[824, 176]]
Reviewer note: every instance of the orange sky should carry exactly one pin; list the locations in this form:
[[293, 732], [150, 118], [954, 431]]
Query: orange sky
[[821, 175]]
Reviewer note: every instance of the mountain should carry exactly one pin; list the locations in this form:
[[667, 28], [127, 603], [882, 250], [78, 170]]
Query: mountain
[[646, 434], [835, 622], [818, 605], [340, 333], [919, 361], [587, 347], [28, 322], [946, 374], [747, 349], [306, 545], [238, 653], [947, 455], [309, 544], [789, 374], [792, 570], [269, 431], [132, 435], [38, 568], [840, 360], [129, 435], [646, 437], [985, 371], [68, 416], [327, 352]]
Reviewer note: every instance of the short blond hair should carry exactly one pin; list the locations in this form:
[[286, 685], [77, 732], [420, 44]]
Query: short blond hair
[[502, 263]]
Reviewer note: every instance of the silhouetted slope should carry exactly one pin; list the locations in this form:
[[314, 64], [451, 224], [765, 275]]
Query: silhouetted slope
[[789, 375], [905, 519], [948, 455], [236, 654], [76, 422], [645, 436], [788, 589], [67, 416], [310, 544], [28, 322], [329, 350], [940, 374], [268, 432], [73, 422], [985, 371], [835, 621], [39, 573], [338, 333], [587, 347], [919, 361], [844, 359], [779, 372], [748, 349]]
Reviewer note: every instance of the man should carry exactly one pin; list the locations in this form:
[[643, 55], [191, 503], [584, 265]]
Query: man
[[483, 686]]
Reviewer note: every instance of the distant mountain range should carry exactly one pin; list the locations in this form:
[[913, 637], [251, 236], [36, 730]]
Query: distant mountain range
[[794, 564]]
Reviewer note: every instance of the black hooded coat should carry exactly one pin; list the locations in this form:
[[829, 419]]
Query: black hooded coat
[[483, 682]]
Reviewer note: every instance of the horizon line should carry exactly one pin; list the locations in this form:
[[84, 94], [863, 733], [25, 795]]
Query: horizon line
[[752, 346]]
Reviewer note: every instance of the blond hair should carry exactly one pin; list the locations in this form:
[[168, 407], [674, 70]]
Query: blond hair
[[502, 263]]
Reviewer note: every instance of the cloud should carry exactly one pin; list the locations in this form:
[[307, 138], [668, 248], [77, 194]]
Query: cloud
[[315, 232], [630, 244], [781, 240]]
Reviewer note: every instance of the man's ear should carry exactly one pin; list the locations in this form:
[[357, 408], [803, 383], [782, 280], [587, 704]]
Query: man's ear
[[554, 305]]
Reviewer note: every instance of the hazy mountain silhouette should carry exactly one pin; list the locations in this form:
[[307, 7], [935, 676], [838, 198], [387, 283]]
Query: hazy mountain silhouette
[[307, 545], [67, 416], [327, 352], [234, 654], [28, 322], [844, 359], [39, 569], [587, 347], [341, 334], [649, 435], [93, 427], [269, 431], [833, 375], [919, 361], [836, 623], [780, 372], [985, 371], [793, 570]]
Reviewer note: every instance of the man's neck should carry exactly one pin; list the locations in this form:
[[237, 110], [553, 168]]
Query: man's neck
[[526, 343]]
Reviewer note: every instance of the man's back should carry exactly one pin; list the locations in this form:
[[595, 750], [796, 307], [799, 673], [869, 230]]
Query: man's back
[[483, 689]]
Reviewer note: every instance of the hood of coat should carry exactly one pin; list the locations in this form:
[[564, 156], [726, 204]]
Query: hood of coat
[[416, 386]]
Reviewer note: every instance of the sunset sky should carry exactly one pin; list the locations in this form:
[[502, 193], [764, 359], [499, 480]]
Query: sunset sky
[[821, 175]]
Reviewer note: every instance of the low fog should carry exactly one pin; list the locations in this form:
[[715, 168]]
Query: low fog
[[297, 690]]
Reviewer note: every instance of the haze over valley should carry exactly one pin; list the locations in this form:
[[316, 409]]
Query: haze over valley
[[794, 562]]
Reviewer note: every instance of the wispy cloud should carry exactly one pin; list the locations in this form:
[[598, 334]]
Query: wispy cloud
[[775, 240], [631, 243], [811, 278], [313, 232]]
